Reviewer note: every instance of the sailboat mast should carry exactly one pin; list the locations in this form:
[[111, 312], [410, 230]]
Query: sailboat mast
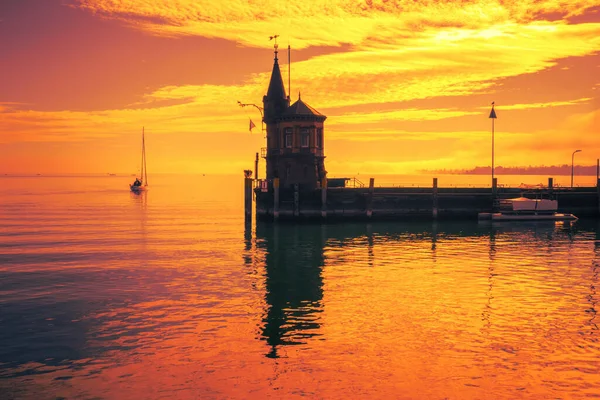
[[144, 170], [142, 167]]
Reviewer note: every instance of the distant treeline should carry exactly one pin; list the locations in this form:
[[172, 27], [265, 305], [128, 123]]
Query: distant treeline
[[564, 169]]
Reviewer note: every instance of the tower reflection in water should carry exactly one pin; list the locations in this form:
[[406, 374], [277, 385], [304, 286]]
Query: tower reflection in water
[[294, 257], [293, 282]]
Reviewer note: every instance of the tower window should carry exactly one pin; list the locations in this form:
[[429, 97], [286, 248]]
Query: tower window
[[304, 142], [288, 140], [320, 138], [304, 137]]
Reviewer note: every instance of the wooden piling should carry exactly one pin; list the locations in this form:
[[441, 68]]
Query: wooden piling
[[370, 197], [494, 187], [324, 198], [248, 199], [598, 191], [256, 167], [296, 200], [435, 198], [275, 199], [550, 184]]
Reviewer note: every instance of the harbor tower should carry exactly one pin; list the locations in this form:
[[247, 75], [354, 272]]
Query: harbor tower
[[295, 138]]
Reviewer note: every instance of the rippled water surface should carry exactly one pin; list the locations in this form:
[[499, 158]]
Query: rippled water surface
[[109, 295]]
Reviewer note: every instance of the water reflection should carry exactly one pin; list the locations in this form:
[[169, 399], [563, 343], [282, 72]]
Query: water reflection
[[592, 297], [295, 257], [293, 283]]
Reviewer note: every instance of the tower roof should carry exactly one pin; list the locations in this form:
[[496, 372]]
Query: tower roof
[[301, 108], [276, 89]]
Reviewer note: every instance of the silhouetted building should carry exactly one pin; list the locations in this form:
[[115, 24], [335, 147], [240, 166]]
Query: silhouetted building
[[295, 141]]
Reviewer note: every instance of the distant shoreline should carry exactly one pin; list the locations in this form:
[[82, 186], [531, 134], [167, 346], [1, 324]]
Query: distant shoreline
[[553, 170], [505, 173], [361, 174]]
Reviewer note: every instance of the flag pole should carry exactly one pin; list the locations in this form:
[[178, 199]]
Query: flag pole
[[493, 117], [493, 150]]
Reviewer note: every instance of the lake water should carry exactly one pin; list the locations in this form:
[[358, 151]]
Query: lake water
[[105, 294]]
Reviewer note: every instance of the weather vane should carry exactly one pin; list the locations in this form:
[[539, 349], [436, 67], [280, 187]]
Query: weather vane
[[274, 37]]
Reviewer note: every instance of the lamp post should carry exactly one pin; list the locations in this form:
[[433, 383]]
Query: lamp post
[[493, 118], [258, 108], [573, 165]]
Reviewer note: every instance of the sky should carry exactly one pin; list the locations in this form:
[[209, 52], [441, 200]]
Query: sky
[[406, 85]]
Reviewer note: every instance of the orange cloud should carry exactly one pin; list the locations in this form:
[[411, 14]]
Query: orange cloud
[[396, 53], [544, 105], [336, 21]]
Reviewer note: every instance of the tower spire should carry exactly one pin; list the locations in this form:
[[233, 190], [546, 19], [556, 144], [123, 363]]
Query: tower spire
[[276, 46], [276, 101]]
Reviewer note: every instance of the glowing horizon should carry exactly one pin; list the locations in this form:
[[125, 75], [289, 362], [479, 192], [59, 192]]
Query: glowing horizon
[[405, 85]]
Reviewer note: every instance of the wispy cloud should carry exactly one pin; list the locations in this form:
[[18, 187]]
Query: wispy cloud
[[527, 106], [404, 115], [400, 50], [334, 21], [388, 52]]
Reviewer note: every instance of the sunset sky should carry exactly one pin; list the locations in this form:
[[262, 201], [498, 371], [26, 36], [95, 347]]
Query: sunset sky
[[406, 85]]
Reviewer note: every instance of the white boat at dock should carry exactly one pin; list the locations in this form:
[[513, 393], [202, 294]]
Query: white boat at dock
[[526, 209]]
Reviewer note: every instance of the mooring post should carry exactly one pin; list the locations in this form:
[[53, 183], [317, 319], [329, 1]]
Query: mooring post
[[296, 201], [494, 187], [370, 197], [324, 198], [275, 199], [550, 184], [598, 191], [248, 198], [256, 167], [435, 198]]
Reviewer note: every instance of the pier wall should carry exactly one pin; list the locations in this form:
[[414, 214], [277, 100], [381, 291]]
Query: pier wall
[[408, 203]]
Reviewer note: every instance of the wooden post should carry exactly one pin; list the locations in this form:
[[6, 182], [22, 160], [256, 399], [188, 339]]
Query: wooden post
[[370, 197], [494, 188], [296, 201], [598, 191], [256, 167], [550, 184], [275, 199], [435, 198], [324, 198], [248, 199]]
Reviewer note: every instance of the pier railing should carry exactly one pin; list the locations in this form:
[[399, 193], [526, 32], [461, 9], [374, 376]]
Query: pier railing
[[344, 201]]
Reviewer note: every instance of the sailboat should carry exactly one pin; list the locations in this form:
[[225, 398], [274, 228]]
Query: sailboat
[[141, 184]]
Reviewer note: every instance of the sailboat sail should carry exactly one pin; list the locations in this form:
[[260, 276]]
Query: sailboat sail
[[145, 178], [141, 183], [144, 170]]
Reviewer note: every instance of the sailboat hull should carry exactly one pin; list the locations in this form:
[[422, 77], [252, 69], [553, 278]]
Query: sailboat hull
[[138, 189]]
